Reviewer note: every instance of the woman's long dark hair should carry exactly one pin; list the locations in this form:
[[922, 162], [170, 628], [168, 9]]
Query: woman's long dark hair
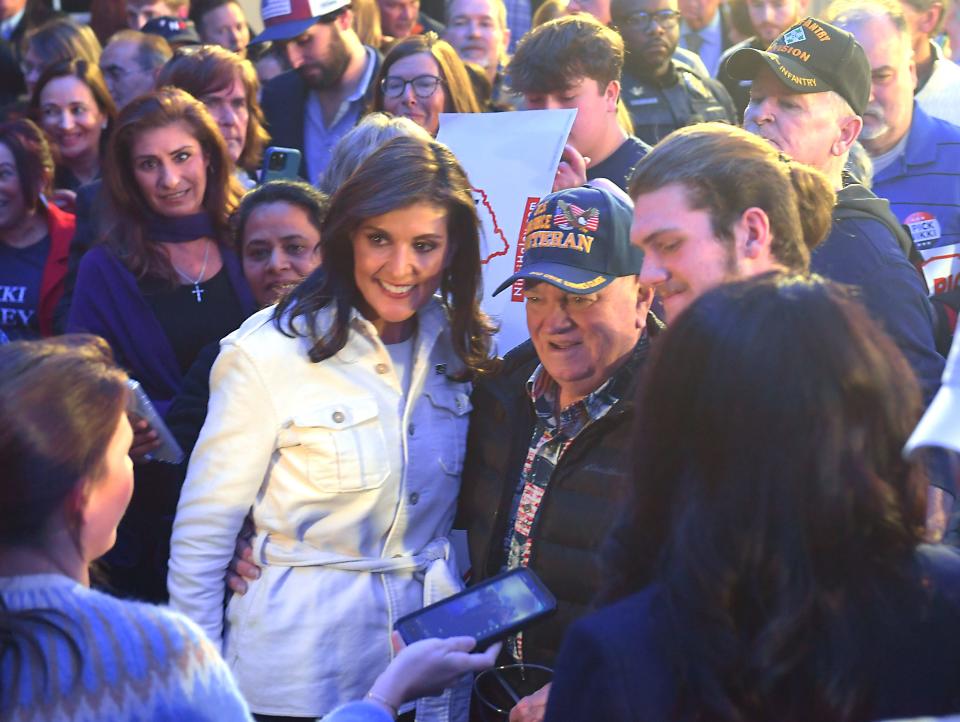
[[127, 206], [772, 506], [404, 171], [33, 158]]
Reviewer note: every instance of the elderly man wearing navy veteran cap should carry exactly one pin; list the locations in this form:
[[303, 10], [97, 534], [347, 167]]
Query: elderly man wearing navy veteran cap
[[809, 91], [312, 106], [547, 470]]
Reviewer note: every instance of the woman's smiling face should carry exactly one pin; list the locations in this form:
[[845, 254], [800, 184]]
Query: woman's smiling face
[[70, 116], [280, 249], [399, 260]]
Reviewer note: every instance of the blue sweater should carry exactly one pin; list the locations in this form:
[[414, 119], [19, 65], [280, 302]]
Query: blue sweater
[[103, 658]]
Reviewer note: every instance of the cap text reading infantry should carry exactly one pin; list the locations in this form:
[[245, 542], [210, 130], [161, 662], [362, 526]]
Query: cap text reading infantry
[[811, 57]]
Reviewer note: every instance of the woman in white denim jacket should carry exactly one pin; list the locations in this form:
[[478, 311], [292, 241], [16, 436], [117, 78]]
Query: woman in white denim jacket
[[340, 417]]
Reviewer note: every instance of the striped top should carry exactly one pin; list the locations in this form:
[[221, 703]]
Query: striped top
[[86, 656]]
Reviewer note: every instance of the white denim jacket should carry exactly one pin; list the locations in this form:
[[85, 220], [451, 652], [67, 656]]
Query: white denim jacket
[[353, 488]]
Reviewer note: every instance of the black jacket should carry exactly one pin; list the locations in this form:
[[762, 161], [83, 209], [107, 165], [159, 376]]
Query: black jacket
[[658, 106], [586, 492]]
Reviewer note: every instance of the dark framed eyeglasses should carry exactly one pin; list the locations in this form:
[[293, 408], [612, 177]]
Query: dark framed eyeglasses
[[423, 85], [666, 19]]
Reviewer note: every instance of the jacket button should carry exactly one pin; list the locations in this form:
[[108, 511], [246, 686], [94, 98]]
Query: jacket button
[[414, 498], [338, 417], [381, 368], [411, 429]]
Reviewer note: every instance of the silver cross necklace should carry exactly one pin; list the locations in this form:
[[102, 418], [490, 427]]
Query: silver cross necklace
[[197, 291]]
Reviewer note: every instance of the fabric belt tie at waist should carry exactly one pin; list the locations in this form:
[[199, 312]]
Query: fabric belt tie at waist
[[440, 580], [436, 559], [281, 551]]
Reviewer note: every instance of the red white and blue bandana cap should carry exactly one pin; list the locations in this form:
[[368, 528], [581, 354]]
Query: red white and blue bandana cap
[[286, 19]]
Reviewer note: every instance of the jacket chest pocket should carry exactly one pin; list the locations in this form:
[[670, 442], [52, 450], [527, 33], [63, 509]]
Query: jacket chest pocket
[[344, 445], [451, 408]]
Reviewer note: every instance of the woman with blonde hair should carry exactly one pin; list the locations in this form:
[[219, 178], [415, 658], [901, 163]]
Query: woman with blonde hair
[[366, 23]]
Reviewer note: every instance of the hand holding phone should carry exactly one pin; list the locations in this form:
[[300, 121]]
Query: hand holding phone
[[142, 407], [145, 440], [427, 667]]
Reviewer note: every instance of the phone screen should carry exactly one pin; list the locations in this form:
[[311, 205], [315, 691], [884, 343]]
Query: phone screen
[[486, 612]]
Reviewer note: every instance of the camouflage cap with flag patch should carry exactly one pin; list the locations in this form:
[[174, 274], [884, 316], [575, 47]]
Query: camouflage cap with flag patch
[[813, 56], [579, 241]]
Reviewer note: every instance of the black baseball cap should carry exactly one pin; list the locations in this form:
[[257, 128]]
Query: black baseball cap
[[579, 241], [812, 56], [173, 30]]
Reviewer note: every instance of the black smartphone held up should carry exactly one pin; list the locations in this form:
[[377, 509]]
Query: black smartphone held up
[[491, 610], [280, 164]]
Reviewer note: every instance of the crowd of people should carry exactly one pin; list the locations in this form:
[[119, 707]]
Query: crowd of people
[[727, 448]]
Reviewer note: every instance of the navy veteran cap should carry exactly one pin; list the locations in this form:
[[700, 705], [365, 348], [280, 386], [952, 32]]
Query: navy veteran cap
[[286, 19], [579, 241], [811, 57]]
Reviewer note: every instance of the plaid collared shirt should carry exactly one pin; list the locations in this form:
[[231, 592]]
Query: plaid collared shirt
[[551, 438]]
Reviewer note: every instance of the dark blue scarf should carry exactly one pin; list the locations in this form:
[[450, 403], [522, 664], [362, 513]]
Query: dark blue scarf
[[179, 229]]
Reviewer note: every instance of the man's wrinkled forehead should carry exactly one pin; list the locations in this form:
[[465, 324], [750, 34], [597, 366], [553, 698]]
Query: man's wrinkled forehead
[[531, 284]]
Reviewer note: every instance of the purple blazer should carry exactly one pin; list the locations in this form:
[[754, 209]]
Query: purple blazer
[[108, 302]]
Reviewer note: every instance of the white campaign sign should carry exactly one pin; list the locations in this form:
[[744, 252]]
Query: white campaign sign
[[511, 160], [941, 268]]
